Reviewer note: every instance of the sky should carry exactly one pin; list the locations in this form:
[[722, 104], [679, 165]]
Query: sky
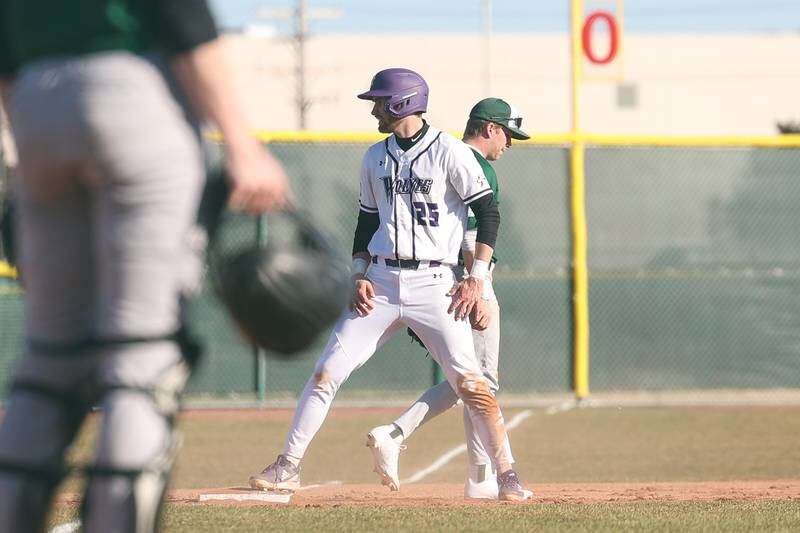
[[410, 16]]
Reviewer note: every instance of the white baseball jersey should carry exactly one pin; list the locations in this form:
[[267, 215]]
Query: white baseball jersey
[[420, 196]]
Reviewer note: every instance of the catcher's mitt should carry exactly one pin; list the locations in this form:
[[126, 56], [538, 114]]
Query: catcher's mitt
[[284, 294], [415, 338]]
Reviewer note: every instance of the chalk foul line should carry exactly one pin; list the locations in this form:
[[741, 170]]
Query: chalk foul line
[[458, 450]]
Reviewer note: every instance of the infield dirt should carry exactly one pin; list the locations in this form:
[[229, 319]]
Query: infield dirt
[[450, 494]]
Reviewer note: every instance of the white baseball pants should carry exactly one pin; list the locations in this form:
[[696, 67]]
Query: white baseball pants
[[417, 299]]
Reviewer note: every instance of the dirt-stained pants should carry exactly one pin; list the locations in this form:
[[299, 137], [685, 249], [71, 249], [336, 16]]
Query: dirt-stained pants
[[417, 299]]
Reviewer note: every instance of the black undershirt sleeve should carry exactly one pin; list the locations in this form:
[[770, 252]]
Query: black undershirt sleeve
[[488, 216], [365, 228], [185, 24]]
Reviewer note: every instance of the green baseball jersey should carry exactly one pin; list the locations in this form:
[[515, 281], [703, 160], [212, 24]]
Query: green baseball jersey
[[491, 177], [35, 29]]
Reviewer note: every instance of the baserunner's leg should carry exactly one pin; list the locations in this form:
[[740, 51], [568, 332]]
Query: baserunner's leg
[[353, 341], [451, 344]]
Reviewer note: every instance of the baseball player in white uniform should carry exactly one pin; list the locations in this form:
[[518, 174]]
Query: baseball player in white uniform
[[415, 191], [491, 126]]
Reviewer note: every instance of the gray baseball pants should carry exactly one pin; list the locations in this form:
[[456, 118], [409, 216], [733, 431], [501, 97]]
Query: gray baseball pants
[[110, 174], [439, 398]]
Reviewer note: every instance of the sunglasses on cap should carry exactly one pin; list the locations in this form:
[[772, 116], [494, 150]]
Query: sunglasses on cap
[[511, 122]]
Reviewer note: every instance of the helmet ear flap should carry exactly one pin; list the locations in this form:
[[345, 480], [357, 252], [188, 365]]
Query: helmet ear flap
[[396, 109], [400, 108]]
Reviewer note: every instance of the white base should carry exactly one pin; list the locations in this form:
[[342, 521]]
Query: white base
[[267, 497]]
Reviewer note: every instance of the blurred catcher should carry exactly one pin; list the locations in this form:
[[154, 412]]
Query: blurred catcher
[[110, 174]]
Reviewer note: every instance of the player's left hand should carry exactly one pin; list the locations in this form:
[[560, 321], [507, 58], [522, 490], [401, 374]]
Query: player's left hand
[[363, 292], [465, 296]]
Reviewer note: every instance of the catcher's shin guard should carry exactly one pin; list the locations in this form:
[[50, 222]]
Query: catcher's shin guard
[[25, 496], [27, 486], [129, 501]]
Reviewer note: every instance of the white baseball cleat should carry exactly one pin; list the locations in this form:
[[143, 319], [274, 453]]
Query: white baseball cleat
[[510, 488], [481, 483], [385, 455], [282, 475]]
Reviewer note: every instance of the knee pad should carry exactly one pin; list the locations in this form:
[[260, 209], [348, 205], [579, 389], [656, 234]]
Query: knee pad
[[168, 390], [131, 499], [475, 393]]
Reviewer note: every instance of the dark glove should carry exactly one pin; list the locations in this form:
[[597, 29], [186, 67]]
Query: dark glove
[[281, 295], [415, 338]]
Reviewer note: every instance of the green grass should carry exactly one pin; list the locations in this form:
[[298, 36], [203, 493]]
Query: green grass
[[722, 516], [597, 444]]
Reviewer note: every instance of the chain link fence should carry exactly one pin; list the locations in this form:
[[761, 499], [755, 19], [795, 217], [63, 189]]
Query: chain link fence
[[531, 281], [694, 274], [694, 267]]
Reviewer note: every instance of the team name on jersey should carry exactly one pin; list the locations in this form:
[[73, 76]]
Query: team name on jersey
[[405, 186]]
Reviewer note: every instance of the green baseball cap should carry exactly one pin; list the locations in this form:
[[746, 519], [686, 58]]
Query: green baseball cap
[[501, 112]]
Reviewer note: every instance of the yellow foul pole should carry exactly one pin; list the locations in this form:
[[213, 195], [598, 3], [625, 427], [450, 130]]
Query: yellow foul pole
[[580, 276]]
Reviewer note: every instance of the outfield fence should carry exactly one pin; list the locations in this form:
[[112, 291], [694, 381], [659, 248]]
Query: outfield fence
[[693, 270]]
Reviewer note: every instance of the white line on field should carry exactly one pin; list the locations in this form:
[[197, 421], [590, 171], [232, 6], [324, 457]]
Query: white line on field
[[448, 456], [566, 405], [315, 485], [69, 527]]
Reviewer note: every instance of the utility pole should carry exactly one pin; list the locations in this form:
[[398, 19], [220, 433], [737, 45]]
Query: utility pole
[[300, 36], [301, 15], [486, 16]]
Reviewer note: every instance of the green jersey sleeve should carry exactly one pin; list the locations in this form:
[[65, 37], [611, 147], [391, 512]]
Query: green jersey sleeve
[[491, 177]]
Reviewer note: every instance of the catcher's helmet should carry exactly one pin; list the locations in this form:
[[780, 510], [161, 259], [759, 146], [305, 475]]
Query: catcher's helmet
[[406, 90], [284, 294]]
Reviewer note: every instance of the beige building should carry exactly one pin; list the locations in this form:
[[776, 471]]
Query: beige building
[[720, 84], [672, 84]]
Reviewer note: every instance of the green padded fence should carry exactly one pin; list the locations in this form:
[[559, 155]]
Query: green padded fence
[[694, 267], [532, 281]]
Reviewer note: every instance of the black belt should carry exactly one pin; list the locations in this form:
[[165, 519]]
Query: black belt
[[411, 264]]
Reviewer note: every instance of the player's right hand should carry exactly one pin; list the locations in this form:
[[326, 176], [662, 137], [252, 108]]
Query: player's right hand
[[258, 181], [363, 292], [481, 315], [466, 295]]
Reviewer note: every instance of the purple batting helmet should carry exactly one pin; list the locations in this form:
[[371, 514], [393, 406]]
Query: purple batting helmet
[[406, 90]]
